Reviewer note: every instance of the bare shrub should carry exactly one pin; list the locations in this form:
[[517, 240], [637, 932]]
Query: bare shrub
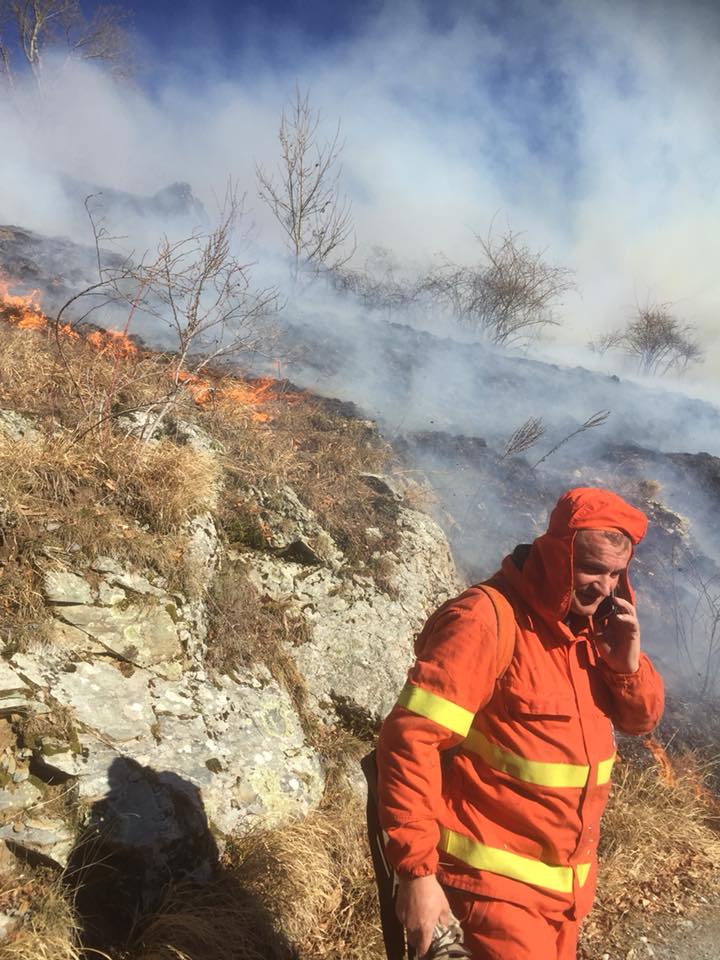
[[696, 613], [378, 285], [304, 195], [509, 296], [655, 340], [198, 290]]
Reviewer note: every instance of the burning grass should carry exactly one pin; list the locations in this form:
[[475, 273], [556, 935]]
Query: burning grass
[[660, 848]]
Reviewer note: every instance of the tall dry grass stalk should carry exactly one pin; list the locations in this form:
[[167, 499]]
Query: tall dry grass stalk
[[48, 931]]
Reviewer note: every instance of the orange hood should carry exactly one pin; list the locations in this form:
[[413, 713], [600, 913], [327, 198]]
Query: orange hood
[[545, 580]]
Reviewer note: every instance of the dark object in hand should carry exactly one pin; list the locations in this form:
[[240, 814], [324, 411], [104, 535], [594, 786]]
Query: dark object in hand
[[608, 608]]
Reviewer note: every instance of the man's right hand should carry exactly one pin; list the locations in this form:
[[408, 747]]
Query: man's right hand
[[421, 905]]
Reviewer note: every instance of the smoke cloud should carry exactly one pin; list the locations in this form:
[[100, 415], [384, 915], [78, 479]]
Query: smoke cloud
[[589, 127]]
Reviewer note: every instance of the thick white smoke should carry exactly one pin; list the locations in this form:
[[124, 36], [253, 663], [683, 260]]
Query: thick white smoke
[[589, 126]]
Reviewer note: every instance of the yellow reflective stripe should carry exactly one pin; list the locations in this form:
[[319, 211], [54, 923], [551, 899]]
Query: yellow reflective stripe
[[583, 869], [507, 864], [442, 711], [605, 770], [530, 771]]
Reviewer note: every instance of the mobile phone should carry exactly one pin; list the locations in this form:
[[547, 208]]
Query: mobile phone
[[608, 608]]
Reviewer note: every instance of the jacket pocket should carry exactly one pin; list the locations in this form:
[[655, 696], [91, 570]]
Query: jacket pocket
[[532, 703]]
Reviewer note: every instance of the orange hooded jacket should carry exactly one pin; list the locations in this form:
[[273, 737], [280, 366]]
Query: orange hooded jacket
[[513, 812]]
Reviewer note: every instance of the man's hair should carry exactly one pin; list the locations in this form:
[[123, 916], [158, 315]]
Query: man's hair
[[618, 538]]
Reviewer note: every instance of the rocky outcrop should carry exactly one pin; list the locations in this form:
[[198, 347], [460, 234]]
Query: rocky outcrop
[[159, 753]]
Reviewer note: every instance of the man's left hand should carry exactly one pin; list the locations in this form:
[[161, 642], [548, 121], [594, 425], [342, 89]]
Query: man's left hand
[[619, 639]]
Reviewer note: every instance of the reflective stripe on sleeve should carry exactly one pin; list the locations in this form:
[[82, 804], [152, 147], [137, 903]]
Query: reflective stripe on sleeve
[[513, 865], [438, 709], [530, 771], [604, 770]]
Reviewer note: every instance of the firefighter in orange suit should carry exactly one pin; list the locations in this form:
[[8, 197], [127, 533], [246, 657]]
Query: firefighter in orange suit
[[503, 829]]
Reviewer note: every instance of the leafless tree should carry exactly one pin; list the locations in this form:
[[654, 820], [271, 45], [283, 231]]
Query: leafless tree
[[33, 28], [197, 289], [304, 195], [509, 295], [656, 340]]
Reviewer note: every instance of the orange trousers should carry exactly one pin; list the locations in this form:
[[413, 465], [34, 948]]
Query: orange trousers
[[495, 930]]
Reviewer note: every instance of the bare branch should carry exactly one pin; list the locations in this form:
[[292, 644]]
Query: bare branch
[[304, 194], [42, 25], [509, 295]]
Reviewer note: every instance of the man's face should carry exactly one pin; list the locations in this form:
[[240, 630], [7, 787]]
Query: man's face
[[597, 565]]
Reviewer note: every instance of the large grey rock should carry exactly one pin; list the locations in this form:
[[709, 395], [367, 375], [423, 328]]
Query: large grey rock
[[16, 798], [61, 586], [361, 643], [293, 528], [117, 706], [267, 772], [47, 838], [11, 683], [167, 757], [144, 634]]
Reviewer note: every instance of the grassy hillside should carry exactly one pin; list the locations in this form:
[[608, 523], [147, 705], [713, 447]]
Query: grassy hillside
[[76, 480]]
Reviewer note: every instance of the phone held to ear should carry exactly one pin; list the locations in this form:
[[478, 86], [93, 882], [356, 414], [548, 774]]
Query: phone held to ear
[[608, 608]]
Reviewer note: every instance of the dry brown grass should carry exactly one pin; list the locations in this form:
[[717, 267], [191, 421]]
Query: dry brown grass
[[304, 891], [660, 848], [246, 629], [64, 499], [48, 930], [321, 455], [72, 385]]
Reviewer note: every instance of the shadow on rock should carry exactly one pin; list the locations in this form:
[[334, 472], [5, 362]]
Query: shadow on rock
[[146, 880]]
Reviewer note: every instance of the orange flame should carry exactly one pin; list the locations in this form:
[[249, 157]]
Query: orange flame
[[25, 312], [205, 392], [667, 773], [112, 342]]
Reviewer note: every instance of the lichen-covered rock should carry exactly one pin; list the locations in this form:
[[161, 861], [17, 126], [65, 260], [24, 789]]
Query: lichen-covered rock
[[293, 529], [144, 634], [48, 838], [61, 586], [167, 759], [361, 643], [18, 427]]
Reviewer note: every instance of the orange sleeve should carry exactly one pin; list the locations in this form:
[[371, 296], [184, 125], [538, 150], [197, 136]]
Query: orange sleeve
[[638, 699], [452, 678]]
